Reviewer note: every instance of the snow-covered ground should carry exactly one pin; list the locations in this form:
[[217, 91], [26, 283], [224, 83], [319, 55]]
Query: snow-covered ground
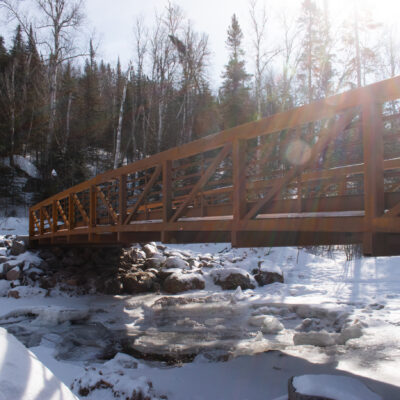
[[331, 316]]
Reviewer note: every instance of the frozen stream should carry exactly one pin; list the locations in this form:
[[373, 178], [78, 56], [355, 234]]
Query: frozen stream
[[330, 316]]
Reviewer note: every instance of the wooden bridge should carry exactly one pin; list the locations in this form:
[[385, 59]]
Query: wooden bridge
[[324, 173]]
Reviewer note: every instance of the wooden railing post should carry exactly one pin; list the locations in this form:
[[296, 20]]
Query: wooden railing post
[[122, 200], [372, 126], [239, 187], [54, 225], [71, 211], [92, 211], [167, 197], [41, 221]]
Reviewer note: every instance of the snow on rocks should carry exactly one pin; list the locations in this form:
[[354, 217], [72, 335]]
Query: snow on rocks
[[24, 377], [329, 387], [179, 282], [267, 274], [231, 278]]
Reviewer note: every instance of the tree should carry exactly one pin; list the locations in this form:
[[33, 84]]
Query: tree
[[234, 93], [315, 66], [263, 56]]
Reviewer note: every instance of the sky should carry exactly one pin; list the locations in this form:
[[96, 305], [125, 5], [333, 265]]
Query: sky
[[112, 21]]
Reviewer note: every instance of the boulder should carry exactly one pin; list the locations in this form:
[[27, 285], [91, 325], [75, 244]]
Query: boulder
[[18, 247], [3, 260], [47, 282], [14, 294], [232, 280], [176, 262], [154, 262], [150, 250], [138, 282], [14, 274], [181, 283], [266, 275]]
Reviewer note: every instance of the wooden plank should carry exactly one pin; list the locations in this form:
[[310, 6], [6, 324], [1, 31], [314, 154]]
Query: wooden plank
[[105, 201], [122, 198], [62, 213], [203, 180], [325, 136], [372, 126], [80, 208], [54, 225], [71, 211], [144, 194], [166, 197]]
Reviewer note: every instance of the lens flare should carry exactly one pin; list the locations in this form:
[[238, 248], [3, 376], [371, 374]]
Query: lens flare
[[298, 152]]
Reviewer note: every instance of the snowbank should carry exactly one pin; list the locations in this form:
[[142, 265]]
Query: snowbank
[[24, 377], [333, 387]]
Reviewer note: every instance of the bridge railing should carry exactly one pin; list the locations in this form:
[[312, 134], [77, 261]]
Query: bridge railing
[[337, 154]]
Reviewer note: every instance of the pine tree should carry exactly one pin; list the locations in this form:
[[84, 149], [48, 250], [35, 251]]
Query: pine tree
[[234, 94], [315, 67]]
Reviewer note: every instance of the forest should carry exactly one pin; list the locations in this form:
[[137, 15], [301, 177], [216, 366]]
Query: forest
[[74, 115]]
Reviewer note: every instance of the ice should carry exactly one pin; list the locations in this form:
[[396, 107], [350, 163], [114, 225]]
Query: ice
[[271, 325], [59, 315], [333, 387]]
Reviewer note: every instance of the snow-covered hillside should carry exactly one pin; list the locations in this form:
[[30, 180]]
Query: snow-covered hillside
[[330, 316]]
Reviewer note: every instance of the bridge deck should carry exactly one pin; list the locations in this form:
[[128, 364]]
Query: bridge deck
[[324, 173]]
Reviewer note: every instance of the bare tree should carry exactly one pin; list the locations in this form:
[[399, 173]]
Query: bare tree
[[263, 55]]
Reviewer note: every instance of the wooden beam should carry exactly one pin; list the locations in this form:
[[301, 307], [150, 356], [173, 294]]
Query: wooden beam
[[54, 225], [62, 213], [326, 136], [81, 208], [374, 201], [105, 201], [203, 180], [71, 211], [144, 193], [122, 198]]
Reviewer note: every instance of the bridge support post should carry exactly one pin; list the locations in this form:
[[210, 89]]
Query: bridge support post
[[239, 188], [372, 127], [167, 237]]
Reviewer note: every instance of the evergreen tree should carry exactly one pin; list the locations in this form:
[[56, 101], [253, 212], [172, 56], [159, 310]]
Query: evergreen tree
[[234, 94], [315, 67]]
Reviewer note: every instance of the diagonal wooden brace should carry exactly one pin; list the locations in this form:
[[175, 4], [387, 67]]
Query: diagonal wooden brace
[[80, 208], [104, 199], [144, 194], [62, 213], [203, 180], [326, 136]]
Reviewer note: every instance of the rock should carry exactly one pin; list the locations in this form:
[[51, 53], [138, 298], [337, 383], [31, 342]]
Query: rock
[[234, 279], [18, 247], [154, 262], [266, 275], [14, 294], [180, 283], [150, 250], [176, 262], [7, 267], [14, 274], [266, 278], [3, 260], [47, 282], [111, 286], [138, 282]]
